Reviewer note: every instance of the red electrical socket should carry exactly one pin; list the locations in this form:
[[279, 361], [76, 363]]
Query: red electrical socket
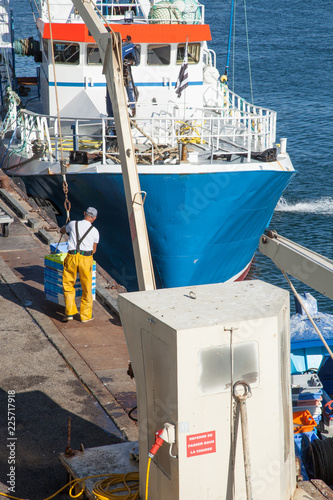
[[158, 443]]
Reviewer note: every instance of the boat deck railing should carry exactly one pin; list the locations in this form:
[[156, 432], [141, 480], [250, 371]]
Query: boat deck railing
[[223, 97], [128, 11], [235, 130]]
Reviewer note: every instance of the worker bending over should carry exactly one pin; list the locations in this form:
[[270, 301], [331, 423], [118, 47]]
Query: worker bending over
[[82, 244]]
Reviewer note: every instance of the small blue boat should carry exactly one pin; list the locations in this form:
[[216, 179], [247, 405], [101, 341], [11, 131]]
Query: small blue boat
[[307, 350]]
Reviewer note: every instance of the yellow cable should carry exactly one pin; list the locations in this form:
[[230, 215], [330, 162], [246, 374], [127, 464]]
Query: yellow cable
[[147, 477], [102, 494], [103, 489]]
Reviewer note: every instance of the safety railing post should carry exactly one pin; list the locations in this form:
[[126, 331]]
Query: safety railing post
[[56, 139], [249, 138], [152, 145], [103, 141], [46, 134], [74, 127]]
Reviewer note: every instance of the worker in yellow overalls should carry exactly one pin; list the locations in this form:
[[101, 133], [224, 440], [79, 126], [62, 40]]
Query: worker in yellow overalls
[[82, 244]]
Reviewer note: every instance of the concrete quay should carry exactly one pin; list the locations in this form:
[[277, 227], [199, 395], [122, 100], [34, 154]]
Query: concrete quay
[[62, 385], [53, 374]]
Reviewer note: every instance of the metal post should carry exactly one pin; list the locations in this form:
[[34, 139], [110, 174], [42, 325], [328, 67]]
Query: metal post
[[74, 127], [103, 141], [56, 139], [249, 139], [241, 400]]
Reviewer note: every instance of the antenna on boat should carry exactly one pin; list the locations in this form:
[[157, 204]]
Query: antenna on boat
[[248, 50], [229, 40]]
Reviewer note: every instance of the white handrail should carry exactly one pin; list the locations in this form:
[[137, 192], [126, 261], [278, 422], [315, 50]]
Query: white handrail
[[239, 129], [114, 10]]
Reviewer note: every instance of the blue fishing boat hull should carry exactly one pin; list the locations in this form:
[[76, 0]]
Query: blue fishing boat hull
[[203, 228]]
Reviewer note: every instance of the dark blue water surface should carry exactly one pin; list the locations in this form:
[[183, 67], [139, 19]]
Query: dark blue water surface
[[291, 53]]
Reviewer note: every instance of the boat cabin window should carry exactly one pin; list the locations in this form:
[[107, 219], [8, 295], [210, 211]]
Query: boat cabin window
[[193, 53], [93, 56], [158, 54], [66, 53]]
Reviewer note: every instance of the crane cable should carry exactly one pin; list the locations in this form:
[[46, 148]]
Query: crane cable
[[67, 203], [33, 12], [233, 29]]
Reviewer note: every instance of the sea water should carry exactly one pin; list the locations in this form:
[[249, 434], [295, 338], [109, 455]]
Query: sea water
[[290, 46]]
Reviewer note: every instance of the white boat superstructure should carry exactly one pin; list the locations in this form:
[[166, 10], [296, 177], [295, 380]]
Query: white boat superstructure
[[155, 66], [207, 159], [219, 123]]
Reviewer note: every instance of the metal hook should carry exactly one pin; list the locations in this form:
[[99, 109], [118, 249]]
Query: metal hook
[[144, 198], [247, 390]]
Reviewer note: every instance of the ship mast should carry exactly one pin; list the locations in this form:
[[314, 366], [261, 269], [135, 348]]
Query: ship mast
[[229, 40]]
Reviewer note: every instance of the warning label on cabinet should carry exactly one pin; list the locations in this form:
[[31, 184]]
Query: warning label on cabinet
[[201, 444]]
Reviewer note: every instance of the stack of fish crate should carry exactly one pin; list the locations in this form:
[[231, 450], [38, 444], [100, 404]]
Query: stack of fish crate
[[307, 395], [53, 269], [307, 391]]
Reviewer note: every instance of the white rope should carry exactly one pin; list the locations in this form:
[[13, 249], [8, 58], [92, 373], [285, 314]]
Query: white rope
[[64, 179]]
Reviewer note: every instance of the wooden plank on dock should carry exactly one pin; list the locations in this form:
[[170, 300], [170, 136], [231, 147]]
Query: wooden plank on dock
[[14, 204], [315, 489]]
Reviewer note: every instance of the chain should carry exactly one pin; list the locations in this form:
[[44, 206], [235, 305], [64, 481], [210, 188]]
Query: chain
[[67, 203]]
